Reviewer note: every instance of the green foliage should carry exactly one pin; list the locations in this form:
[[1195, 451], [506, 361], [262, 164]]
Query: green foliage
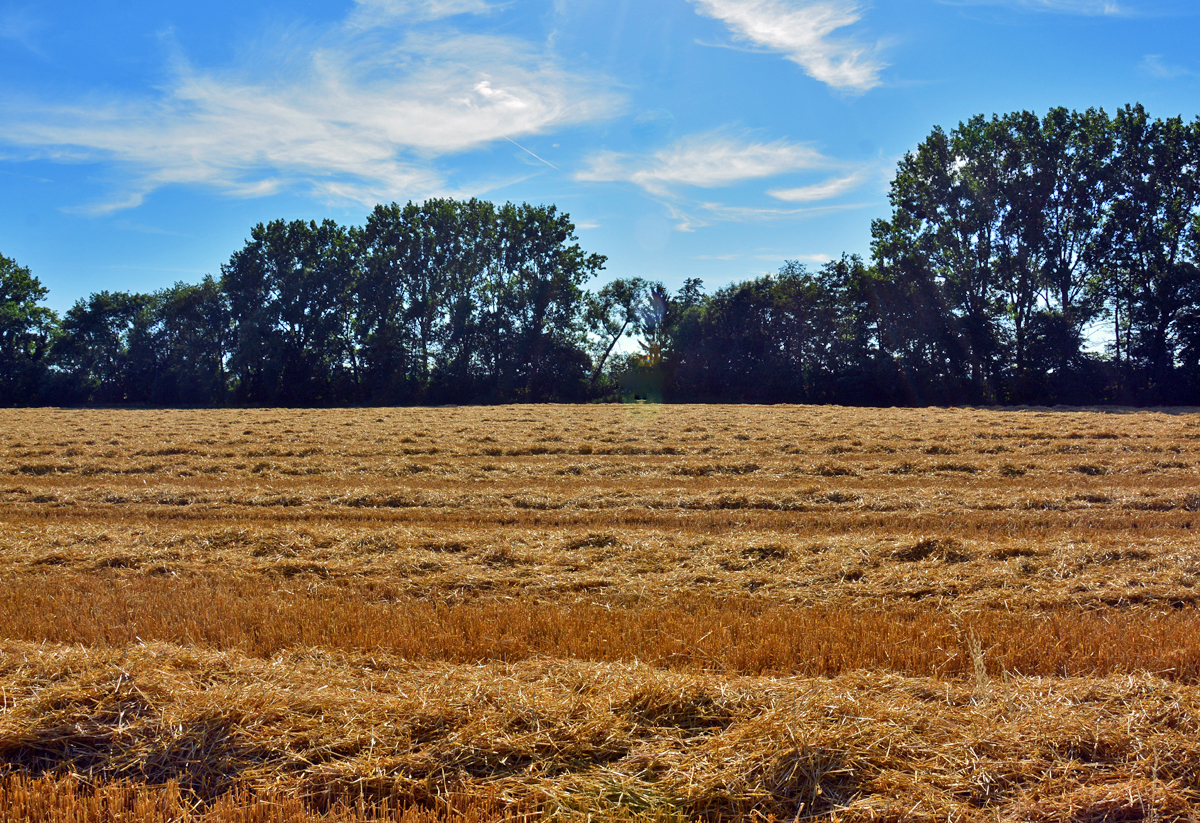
[[288, 292], [25, 329], [165, 348], [1155, 231], [459, 301], [613, 312], [102, 352], [1011, 237], [797, 336], [1011, 240], [192, 337]]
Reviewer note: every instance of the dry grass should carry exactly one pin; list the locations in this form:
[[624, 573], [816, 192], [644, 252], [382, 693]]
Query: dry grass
[[50, 799], [1033, 509], [573, 738], [632, 613], [744, 635]]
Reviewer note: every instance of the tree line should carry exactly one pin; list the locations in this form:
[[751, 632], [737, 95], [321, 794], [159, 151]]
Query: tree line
[[443, 302], [1027, 259]]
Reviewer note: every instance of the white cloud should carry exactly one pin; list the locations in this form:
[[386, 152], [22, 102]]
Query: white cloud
[[800, 29], [1155, 66], [820, 191], [722, 211], [1074, 6], [717, 159], [358, 121], [371, 13], [707, 160], [691, 215], [1082, 7]]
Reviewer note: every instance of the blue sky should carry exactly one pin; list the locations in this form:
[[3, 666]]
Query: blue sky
[[140, 141]]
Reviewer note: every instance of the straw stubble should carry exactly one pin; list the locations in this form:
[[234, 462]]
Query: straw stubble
[[599, 613]]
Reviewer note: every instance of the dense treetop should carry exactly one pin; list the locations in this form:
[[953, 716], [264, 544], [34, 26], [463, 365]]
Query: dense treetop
[[1027, 259]]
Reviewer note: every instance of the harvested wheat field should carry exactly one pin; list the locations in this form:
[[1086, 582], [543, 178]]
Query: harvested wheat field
[[604, 613]]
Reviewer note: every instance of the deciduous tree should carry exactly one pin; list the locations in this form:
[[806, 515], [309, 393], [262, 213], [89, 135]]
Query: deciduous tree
[[25, 333]]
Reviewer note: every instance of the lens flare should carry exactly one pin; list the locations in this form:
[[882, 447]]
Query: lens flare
[[653, 310]]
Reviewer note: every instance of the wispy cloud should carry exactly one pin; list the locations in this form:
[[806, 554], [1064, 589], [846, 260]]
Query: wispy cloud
[[1090, 8], [748, 213], [718, 159], [801, 29], [359, 120], [371, 13], [691, 215], [33, 177], [1154, 66], [20, 24], [824, 190], [707, 160]]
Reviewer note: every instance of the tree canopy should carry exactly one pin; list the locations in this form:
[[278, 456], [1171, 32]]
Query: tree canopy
[[1026, 259], [25, 329]]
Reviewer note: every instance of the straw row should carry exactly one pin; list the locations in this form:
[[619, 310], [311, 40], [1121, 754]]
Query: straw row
[[574, 738]]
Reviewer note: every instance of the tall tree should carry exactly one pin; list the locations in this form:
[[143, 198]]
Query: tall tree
[[192, 337], [533, 316], [1056, 183], [943, 241], [289, 297], [1001, 227], [613, 312], [1156, 231], [102, 354], [1072, 165], [382, 297], [461, 370], [25, 333]]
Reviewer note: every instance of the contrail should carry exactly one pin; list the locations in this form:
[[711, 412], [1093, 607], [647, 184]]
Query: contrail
[[527, 151]]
